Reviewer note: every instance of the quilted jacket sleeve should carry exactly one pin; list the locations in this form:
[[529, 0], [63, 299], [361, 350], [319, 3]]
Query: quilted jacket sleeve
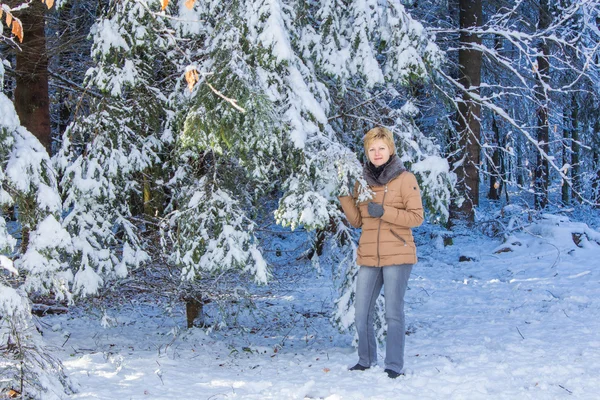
[[351, 209]]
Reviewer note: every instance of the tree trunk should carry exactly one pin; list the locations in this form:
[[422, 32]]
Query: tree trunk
[[575, 167], [321, 236], [565, 192], [596, 164], [32, 102], [542, 168], [596, 179], [318, 244], [65, 33], [194, 309], [520, 166], [469, 110], [497, 173], [153, 196]]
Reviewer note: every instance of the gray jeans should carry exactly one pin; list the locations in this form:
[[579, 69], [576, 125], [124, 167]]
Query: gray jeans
[[394, 279]]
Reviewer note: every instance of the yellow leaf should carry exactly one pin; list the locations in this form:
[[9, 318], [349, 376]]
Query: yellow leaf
[[49, 3], [1, 11], [9, 18], [190, 4], [191, 76], [164, 4], [17, 29]]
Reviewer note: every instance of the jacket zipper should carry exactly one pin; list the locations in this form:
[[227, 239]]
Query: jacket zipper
[[398, 236], [379, 227]]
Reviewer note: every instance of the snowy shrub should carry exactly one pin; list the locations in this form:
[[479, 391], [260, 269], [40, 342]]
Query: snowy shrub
[[27, 368]]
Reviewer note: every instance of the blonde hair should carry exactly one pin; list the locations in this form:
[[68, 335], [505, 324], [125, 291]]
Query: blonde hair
[[380, 133]]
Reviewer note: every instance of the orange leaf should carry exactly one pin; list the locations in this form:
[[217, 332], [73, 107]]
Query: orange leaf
[[17, 29], [1, 11], [164, 4], [9, 18], [49, 3], [13, 394], [326, 370], [190, 4], [191, 77]]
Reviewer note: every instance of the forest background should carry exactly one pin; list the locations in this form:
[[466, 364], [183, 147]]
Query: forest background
[[163, 136]]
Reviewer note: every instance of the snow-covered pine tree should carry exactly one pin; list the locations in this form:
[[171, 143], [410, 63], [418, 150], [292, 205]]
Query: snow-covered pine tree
[[228, 147], [37, 266], [107, 150]]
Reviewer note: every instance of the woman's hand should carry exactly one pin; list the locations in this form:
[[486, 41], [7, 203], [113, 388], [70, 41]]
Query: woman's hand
[[375, 210]]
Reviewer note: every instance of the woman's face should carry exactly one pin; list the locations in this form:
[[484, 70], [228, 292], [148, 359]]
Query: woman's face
[[378, 152]]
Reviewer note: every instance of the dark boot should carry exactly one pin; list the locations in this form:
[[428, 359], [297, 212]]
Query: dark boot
[[358, 367], [392, 374]]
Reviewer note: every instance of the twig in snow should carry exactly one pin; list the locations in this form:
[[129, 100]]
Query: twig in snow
[[68, 337], [520, 333], [218, 394], [562, 387], [158, 372], [282, 343]]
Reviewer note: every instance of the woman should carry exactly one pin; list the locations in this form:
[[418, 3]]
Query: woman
[[386, 250]]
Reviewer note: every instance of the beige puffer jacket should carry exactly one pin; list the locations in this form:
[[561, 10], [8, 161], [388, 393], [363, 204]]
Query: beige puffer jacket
[[387, 240]]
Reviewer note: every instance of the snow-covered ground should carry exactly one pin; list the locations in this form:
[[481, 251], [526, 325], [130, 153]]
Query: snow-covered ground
[[512, 324]]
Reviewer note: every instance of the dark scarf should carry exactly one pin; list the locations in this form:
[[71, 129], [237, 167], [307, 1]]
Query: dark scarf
[[380, 176]]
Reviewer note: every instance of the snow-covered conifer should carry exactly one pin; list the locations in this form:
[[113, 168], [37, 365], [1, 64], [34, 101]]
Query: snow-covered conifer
[[28, 183], [38, 266], [104, 153]]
